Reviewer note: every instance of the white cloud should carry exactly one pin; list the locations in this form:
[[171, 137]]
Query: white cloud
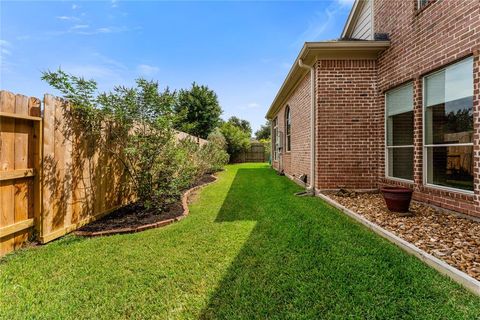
[[147, 70], [102, 30], [5, 50], [253, 105], [322, 21], [4, 43], [80, 26], [99, 67], [75, 6], [114, 3], [68, 18], [90, 71]]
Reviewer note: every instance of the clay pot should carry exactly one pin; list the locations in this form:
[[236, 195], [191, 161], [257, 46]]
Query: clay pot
[[397, 198]]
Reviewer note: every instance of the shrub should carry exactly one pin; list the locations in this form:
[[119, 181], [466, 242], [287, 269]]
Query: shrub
[[267, 145], [214, 152], [135, 125], [237, 139]]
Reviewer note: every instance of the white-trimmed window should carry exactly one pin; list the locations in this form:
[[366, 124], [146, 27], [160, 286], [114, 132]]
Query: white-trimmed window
[[275, 138], [399, 132], [448, 126], [288, 129]]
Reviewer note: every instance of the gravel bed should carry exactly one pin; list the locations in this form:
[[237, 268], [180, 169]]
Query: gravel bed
[[454, 239]]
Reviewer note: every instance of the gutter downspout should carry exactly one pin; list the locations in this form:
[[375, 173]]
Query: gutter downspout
[[311, 187]]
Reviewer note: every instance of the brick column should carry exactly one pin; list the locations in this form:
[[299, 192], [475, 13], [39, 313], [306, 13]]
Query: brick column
[[417, 133], [476, 130]]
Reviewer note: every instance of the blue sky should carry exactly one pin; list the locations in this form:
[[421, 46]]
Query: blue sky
[[242, 50]]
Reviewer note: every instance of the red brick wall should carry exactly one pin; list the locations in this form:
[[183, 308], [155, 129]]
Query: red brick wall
[[350, 100], [423, 41], [297, 161], [346, 125]]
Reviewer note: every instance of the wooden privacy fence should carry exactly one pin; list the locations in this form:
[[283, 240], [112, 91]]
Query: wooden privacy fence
[[256, 153], [20, 156], [53, 179]]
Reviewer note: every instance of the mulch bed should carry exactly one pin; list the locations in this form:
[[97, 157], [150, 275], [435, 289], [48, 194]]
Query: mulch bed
[[453, 239], [135, 218]]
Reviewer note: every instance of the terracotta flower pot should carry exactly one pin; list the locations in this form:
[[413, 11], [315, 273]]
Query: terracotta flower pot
[[397, 198]]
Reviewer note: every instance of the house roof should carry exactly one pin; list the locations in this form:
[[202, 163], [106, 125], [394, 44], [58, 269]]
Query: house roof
[[313, 51]]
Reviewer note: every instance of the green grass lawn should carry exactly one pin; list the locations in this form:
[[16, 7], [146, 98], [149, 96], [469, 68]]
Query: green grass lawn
[[249, 250]]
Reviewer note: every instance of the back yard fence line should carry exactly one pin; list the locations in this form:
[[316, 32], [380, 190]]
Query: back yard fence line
[[256, 153], [52, 179]]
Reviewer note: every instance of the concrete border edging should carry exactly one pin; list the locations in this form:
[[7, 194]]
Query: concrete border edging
[[456, 275]]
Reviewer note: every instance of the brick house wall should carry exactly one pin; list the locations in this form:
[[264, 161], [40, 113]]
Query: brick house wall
[[350, 95], [297, 161], [347, 150], [423, 41]]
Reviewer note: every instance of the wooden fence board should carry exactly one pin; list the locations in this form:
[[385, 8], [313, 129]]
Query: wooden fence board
[[17, 173], [34, 109], [48, 160], [23, 131], [7, 163]]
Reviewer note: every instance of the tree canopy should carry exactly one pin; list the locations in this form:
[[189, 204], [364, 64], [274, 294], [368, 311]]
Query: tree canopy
[[264, 132], [198, 111], [243, 125]]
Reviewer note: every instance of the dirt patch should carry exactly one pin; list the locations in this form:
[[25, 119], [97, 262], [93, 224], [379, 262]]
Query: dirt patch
[[133, 217], [454, 239]]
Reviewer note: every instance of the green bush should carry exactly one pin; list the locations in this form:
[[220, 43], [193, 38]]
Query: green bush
[[135, 125], [267, 145], [237, 139], [214, 153]]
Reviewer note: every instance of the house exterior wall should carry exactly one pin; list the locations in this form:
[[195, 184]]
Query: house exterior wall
[[297, 161], [350, 95], [347, 151], [423, 41]]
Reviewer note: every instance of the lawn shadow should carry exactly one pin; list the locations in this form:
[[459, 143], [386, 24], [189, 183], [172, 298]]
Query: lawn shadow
[[305, 260]]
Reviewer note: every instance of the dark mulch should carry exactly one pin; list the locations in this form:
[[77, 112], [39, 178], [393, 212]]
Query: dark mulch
[[135, 215]]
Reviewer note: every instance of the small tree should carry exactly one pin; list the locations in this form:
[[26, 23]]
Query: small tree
[[198, 111], [237, 139], [135, 126], [264, 132]]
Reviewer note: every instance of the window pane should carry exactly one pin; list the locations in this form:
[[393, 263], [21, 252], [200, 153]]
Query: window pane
[[453, 83], [400, 100], [450, 166], [449, 104], [400, 163], [435, 89], [450, 122], [400, 129]]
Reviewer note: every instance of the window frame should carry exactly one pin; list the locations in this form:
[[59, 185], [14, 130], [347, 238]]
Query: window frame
[[426, 146], [387, 147], [275, 138], [288, 129]]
